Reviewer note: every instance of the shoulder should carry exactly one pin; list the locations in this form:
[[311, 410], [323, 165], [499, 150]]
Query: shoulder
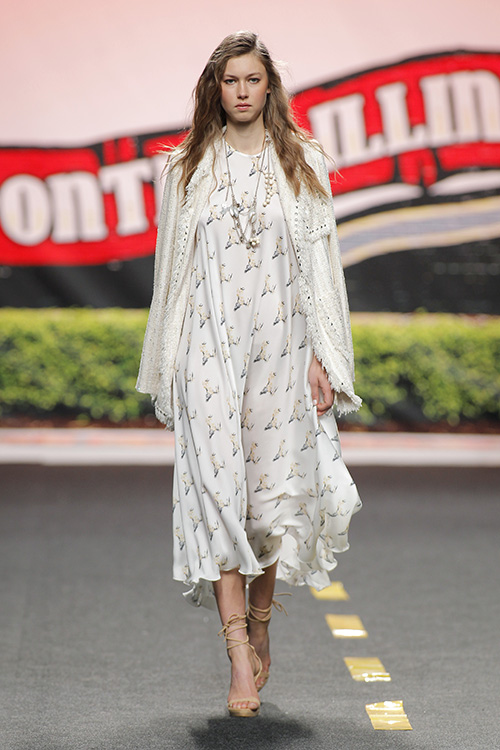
[[173, 164], [314, 156], [312, 150]]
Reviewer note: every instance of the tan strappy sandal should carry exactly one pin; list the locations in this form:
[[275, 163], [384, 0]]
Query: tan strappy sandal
[[256, 614], [239, 622]]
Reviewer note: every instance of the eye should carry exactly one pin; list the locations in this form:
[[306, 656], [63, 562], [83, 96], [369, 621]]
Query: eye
[[228, 80], [254, 80]]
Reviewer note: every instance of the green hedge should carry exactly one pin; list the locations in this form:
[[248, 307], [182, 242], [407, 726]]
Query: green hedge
[[430, 367], [71, 362], [83, 363]]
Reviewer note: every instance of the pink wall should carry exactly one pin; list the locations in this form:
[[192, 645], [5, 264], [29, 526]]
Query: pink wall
[[78, 72]]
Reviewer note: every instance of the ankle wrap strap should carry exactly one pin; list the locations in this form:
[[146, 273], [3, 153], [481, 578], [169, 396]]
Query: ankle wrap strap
[[239, 622], [256, 614], [234, 622]]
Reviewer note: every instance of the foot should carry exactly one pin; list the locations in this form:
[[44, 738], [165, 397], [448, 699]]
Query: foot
[[244, 667], [258, 635]]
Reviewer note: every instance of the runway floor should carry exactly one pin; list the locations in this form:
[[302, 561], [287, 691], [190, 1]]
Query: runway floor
[[100, 651]]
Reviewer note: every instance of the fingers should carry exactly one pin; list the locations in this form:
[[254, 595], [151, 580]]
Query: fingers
[[321, 390], [315, 392], [327, 395]]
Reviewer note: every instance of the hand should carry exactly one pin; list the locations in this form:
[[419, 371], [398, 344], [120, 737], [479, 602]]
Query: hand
[[318, 381]]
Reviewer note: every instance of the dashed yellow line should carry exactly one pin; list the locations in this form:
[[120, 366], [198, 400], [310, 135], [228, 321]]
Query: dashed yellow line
[[366, 669], [388, 715], [346, 626], [334, 592]]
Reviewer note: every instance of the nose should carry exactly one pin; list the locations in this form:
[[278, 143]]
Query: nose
[[242, 90]]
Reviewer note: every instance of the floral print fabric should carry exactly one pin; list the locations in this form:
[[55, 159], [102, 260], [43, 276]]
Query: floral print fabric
[[258, 476]]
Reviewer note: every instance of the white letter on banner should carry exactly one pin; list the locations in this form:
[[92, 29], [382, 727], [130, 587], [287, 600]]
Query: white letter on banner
[[25, 209], [339, 125], [476, 101], [438, 114], [397, 130], [78, 207], [126, 180]]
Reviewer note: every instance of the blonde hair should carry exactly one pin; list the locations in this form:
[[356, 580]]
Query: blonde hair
[[209, 117]]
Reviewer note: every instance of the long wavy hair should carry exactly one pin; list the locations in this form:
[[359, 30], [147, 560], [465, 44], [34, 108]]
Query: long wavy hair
[[209, 117]]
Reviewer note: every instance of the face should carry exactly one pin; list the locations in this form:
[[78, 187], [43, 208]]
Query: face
[[244, 89]]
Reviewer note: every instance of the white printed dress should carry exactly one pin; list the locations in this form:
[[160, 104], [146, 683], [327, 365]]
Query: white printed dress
[[258, 476]]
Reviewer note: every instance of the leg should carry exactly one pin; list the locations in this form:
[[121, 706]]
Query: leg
[[261, 591], [230, 595]]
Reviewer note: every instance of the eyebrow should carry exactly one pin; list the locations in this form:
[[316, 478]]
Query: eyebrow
[[250, 75]]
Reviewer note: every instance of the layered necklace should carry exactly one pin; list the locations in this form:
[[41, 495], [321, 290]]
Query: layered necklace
[[248, 235]]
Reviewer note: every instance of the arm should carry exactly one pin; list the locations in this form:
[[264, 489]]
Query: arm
[[148, 378], [332, 340]]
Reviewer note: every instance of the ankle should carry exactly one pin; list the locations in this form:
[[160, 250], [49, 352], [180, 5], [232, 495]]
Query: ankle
[[241, 659], [258, 628], [258, 615]]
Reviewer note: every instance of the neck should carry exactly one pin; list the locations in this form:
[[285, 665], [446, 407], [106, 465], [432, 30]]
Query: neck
[[246, 137]]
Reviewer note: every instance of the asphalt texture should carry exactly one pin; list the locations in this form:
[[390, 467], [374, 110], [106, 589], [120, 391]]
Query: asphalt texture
[[99, 651]]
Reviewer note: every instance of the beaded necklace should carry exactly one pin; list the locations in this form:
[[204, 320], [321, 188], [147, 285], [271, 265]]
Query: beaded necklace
[[250, 240]]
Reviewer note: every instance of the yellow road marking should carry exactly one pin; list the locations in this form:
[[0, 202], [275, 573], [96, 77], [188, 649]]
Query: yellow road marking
[[346, 626], [388, 715], [334, 592], [366, 669]]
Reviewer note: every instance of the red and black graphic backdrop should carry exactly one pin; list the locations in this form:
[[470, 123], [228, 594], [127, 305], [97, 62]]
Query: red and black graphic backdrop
[[417, 196]]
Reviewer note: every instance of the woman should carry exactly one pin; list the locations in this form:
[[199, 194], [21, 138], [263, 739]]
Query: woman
[[247, 349]]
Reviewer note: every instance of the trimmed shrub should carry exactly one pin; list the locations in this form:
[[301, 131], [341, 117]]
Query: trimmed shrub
[[427, 367], [82, 363], [71, 362]]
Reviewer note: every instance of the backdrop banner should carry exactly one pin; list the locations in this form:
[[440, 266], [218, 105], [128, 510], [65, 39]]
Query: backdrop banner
[[416, 184]]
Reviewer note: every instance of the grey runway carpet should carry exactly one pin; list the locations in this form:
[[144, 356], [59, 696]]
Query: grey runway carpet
[[100, 652]]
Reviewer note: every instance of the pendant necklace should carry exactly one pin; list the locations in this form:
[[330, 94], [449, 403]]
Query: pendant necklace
[[248, 235]]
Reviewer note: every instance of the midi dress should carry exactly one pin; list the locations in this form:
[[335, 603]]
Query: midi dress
[[258, 476]]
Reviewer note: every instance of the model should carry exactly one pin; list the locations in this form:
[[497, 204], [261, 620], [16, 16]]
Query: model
[[247, 352]]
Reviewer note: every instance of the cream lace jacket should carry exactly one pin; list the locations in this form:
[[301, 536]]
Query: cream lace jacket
[[311, 224]]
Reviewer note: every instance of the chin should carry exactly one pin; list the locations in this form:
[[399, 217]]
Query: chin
[[244, 117]]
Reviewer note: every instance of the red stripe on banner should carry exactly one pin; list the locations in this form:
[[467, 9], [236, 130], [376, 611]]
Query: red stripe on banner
[[42, 163], [109, 152], [469, 155], [127, 149], [153, 146], [363, 176]]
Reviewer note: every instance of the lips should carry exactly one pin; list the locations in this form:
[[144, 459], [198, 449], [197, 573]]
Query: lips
[[243, 106]]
